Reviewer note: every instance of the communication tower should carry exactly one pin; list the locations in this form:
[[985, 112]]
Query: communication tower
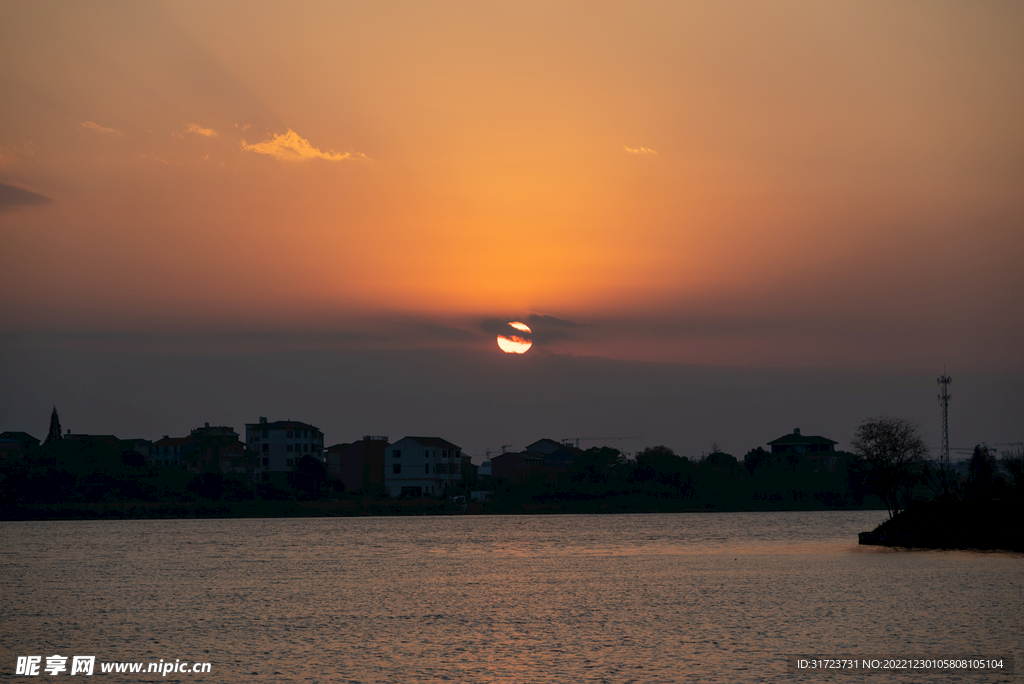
[[944, 398]]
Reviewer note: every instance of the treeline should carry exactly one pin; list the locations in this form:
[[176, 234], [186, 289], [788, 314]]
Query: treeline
[[87, 478], [659, 480], [79, 473]]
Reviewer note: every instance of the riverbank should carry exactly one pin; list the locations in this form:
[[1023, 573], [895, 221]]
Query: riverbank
[[988, 525], [366, 506]]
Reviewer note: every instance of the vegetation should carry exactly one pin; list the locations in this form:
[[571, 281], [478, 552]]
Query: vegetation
[[896, 459], [74, 478]]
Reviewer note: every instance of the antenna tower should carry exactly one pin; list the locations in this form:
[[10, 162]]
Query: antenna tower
[[944, 398]]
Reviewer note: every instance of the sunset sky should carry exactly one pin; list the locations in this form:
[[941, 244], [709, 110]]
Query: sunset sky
[[805, 187]]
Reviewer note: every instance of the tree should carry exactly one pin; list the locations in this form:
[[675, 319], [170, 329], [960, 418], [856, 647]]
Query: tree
[[54, 434], [983, 471], [896, 459], [1013, 461]]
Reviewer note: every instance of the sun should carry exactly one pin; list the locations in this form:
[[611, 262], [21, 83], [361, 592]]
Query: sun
[[514, 343]]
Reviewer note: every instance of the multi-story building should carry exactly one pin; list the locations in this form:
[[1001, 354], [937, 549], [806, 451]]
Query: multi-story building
[[207, 449], [280, 445], [217, 449], [358, 464], [422, 466]]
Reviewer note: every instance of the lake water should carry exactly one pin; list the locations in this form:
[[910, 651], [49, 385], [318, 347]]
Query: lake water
[[710, 597]]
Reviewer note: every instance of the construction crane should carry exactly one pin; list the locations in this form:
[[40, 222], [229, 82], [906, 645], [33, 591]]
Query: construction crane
[[505, 447]]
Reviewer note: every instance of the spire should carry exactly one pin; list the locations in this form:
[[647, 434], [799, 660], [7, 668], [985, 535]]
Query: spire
[[54, 434]]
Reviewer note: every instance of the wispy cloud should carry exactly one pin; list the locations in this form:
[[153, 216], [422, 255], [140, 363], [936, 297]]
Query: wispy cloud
[[199, 130], [639, 150], [99, 129], [293, 147], [10, 155], [12, 197]]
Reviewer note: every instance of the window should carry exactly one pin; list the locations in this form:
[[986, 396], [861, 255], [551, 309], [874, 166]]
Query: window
[[444, 454], [396, 454], [426, 468], [266, 448], [396, 469], [289, 462], [290, 434], [266, 463], [305, 448], [288, 448]]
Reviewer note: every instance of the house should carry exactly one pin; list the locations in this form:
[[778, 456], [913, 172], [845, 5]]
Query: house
[[217, 449], [558, 455], [801, 444], [422, 466], [358, 464], [15, 444], [544, 446], [819, 449], [515, 465], [168, 452], [278, 446], [206, 449]]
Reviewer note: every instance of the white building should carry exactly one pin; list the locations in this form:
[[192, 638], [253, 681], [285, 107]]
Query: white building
[[421, 466], [279, 446]]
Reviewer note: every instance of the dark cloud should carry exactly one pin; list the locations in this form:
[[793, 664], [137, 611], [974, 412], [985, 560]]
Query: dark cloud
[[12, 197], [545, 328]]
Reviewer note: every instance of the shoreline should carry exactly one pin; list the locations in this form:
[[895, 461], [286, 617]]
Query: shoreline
[[350, 508]]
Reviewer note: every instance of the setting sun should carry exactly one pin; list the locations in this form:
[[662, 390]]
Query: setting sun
[[516, 344]]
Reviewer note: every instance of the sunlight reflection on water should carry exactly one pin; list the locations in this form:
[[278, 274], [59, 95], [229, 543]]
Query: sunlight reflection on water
[[616, 598]]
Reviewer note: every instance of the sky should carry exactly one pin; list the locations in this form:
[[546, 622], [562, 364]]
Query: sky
[[703, 195]]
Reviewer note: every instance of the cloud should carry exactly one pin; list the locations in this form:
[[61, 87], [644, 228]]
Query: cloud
[[12, 197], [10, 155], [99, 129], [293, 147], [639, 150], [199, 130]]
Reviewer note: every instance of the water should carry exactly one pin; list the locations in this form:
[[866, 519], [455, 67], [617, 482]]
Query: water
[[714, 597]]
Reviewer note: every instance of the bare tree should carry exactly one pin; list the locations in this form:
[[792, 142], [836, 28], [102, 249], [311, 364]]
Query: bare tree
[[896, 457]]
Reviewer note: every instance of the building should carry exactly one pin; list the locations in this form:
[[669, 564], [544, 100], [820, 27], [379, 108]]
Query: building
[[557, 455], [819, 449], [278, 446], [359, 464], [515, 465], [544, 446], [422, 466], [217, 449], [168, 452], [207, 449], [15, 444], [801, 444]]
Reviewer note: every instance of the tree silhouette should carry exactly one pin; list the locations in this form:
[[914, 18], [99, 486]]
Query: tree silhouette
[[896, 459], [54, 435]]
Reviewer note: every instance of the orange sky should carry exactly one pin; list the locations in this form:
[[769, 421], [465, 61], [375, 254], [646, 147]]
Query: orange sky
[[740, 183]]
